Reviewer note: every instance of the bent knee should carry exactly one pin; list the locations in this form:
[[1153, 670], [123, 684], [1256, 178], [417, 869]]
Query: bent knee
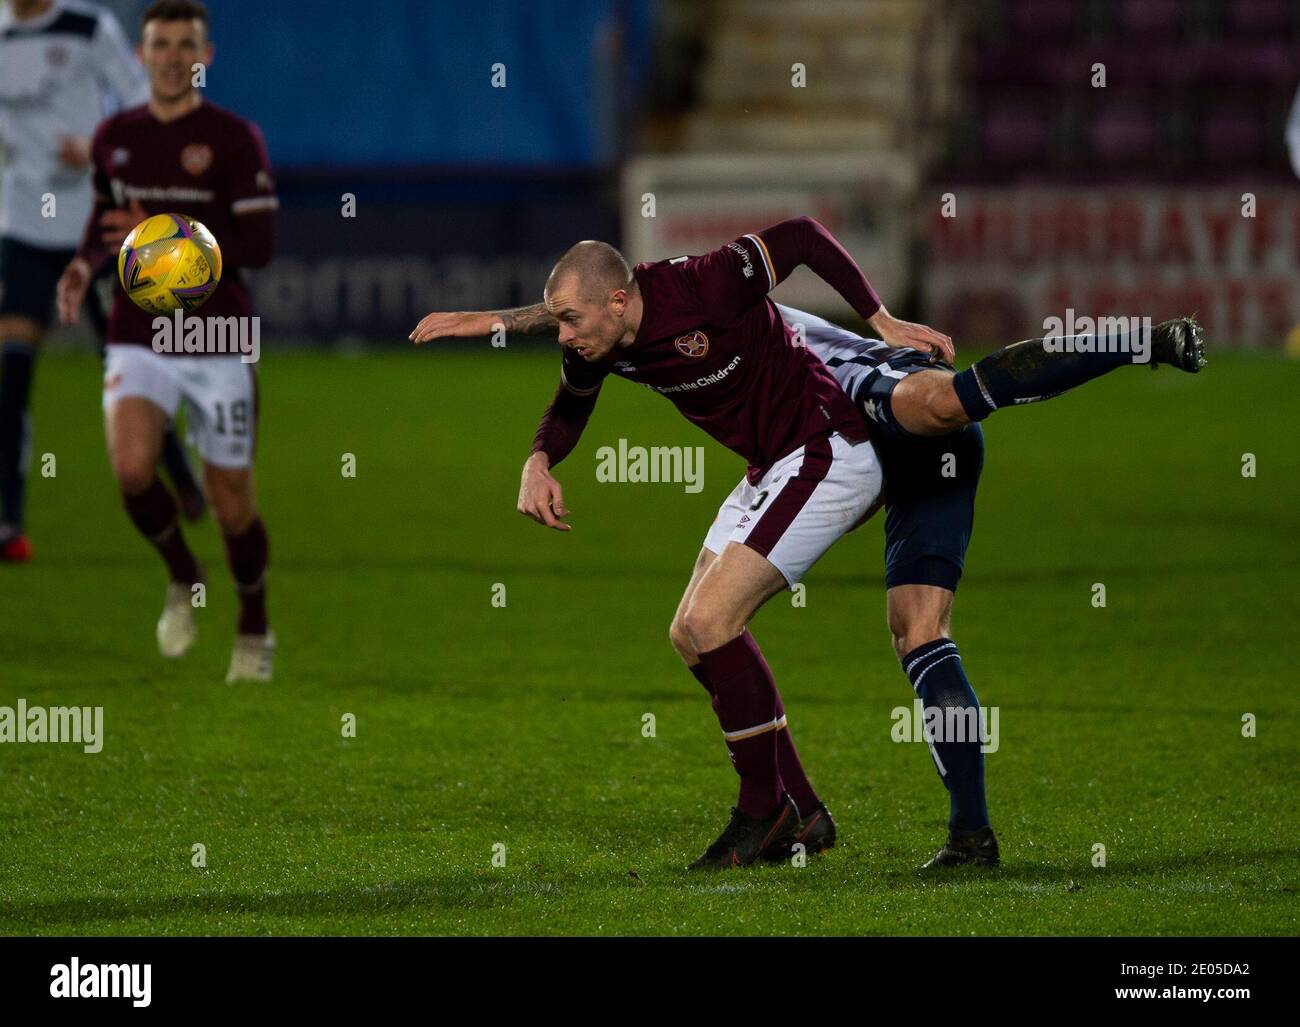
[[708, 627], [133, 473], [681, 640], [233, 512], [943, 408], [909, 633], [231, 497]]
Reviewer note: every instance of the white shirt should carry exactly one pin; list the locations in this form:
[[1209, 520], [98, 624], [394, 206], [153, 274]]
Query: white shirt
[[60, 74]]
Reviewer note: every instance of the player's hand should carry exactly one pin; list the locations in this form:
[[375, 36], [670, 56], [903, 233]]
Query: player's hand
[[453, 326], [71, 290], [906, 333], [74, 151], [540, 496], [115, 225]]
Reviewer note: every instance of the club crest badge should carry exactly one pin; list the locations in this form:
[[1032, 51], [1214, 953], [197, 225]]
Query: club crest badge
[[692, 344], [196, 158]]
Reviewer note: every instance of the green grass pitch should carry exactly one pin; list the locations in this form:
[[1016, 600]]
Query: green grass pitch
[[521, 725]]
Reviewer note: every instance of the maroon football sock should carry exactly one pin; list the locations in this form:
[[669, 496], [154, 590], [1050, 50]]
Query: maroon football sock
[[793, 776], [702, 677], [153, 512], [792, 773], [248, 555], [749, 709]]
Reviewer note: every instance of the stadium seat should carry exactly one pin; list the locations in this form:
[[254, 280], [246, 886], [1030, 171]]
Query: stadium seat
[[1232, 134], [1150, 20], [1043, 19], [1124, 131], [1273, 18], [1015, 131]]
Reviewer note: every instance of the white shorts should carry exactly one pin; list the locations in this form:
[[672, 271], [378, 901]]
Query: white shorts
[[220, 395], [805, 502]]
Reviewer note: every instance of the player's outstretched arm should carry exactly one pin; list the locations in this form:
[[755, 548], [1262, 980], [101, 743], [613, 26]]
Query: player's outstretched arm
[[804, 240], [533, 320]]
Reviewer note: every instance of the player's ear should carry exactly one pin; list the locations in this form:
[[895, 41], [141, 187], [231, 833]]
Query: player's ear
[[208, 50]]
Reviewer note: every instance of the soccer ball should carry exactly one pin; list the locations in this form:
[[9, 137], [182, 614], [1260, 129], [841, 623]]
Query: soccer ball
[[169, 262]]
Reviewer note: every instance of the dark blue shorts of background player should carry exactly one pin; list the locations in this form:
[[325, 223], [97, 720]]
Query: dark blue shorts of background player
[[930, 483]]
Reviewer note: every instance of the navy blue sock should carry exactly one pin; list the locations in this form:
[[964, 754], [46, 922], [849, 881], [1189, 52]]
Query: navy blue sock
[[17, 360], [937, 677], [1037, 369]]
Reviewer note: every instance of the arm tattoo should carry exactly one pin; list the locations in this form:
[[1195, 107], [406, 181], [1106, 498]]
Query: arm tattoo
[[534, 320]]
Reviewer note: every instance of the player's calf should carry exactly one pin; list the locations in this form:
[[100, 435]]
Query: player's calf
[[1038, 369], [925, 403], [919, 617], [247, 542]]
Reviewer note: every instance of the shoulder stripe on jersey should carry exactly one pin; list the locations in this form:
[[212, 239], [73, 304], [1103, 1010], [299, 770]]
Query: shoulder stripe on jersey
[[767, 260], [255, 203], [564, 380]]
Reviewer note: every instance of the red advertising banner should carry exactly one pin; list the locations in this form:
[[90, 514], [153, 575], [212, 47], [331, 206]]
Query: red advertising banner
[[1001, 261]]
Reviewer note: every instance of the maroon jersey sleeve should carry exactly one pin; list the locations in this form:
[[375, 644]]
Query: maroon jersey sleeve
[[252, 202], [732, 278], [575, 399], [92, 249]]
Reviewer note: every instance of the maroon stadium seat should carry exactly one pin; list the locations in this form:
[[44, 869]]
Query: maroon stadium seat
[[1260, 18], [1231, 134], [1124, 131], [1150, 19], [1015, 131], [1044, 18]]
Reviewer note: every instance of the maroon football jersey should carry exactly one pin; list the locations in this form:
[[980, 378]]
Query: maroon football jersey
[[712, 342], [210, 164]]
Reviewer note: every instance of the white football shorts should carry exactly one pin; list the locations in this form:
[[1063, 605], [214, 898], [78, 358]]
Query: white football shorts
[[219, 393], [802, 505]]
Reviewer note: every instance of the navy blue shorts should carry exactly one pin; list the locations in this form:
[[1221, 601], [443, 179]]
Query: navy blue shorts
[[930, 484], [28, 276]]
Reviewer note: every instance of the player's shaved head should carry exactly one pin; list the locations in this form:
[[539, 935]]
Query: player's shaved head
[[593, 297], [592, 269]]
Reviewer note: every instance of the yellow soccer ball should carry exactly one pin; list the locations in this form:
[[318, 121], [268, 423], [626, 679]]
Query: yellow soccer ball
[[169, 262]]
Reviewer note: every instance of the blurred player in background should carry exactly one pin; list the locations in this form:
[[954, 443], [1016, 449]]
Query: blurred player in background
[[63, 66], [180, 153], [788, 511]]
